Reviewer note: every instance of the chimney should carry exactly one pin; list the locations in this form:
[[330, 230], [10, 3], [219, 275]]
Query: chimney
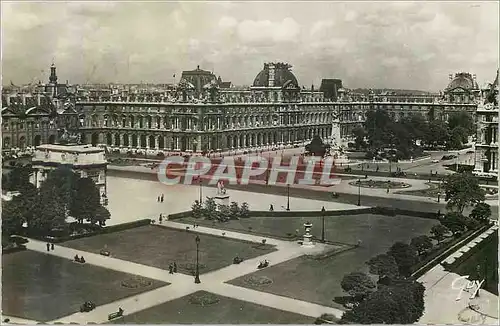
[[272, 71]]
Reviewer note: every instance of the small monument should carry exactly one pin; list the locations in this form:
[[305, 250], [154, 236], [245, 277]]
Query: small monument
[[307, 242], [221, 198]]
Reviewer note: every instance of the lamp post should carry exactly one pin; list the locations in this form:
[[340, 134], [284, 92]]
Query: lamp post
[[201, 190], [288, 197], [359, 192], [197, 275], [323, 228]]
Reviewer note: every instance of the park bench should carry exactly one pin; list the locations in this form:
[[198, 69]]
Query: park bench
[[115, 315]]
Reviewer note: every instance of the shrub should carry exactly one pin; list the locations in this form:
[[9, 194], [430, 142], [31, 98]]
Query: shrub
[[244, 210]]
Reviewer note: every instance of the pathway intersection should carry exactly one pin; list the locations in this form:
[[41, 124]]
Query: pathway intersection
[[182, 285]]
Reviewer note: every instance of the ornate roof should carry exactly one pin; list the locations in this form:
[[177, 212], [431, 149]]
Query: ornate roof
[[463, 80], [282, 74]]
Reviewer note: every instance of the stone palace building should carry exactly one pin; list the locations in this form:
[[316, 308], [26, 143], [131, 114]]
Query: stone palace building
[[202, 113]]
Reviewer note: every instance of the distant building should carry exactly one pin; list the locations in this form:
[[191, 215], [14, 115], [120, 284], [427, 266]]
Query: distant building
[[330, 88], [486, 146], [85, 160]]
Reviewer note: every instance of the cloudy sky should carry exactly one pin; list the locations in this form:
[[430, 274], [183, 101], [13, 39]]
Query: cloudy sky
[[385, 44]]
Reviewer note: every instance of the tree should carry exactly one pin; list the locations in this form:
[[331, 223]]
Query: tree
[[377, 126], [316, 146], [399, 304], [405, 256], [197, 209], [244, 210], [50, 212], [421, 243], [234, 210], [437, 133], [481, 212], [383, 265], [455, 222], [358, 285], [462, 190], [210, 209], [12, 217], [458, 136], [359, 134], [101, 215], [462, 120], [17, 178], [438, 231], [224, 213], [62, 183], [86, 200]]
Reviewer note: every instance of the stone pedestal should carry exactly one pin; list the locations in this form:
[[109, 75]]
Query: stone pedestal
[[307, 242], [221, 200]]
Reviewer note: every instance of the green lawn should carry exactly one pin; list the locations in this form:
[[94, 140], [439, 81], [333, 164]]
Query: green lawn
[[159, 246], [44, 287], [319, 280], [226, 311]]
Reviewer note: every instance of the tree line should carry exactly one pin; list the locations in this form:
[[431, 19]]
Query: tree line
[[45, 210], [408, 136]]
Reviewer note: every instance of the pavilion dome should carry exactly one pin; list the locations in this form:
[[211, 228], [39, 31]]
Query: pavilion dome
[[463, 80], [282, 75]]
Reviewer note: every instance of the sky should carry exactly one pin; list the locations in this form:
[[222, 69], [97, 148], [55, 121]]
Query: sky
[[404, 45]]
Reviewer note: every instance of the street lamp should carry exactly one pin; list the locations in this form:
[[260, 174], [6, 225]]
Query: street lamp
[[197, 275], [201, 190], [359, 192], [323, 229], [288, 197]]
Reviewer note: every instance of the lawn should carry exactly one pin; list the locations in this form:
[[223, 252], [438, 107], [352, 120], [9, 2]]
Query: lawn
[[319, 281], [44, 287], [225, 311], [432, 191], [159, 246]]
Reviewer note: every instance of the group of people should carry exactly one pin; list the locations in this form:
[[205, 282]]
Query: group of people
[[172, 268], [160, 198], [79, 259], [50, 246], [263, 264]]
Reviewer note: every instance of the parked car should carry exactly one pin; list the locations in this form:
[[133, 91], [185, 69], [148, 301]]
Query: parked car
[[87, 306], [448, 157], [435, 161]]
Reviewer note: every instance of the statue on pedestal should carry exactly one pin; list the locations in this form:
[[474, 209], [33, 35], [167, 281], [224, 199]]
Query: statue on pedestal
[[220, 188]]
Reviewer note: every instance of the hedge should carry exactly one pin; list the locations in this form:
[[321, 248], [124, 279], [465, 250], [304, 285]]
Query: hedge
[[107, 229]]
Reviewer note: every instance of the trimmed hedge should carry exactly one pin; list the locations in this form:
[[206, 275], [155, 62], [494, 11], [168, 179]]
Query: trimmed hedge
[[13, 249], [371, 210], [107, 229]]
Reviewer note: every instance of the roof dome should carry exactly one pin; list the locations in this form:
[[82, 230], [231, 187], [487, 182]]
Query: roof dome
[[463, 80], [282, 75]]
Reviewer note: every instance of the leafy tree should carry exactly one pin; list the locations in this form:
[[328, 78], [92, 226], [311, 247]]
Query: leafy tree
[[455, 222], [437, 133], [50, 212], [405, 257], [481, 212], [462, 120], [101, 215], [438, 231], [421, 244], [12, 217], [377, 126], [244, 210], [457, 138], [316, 147], [210, 209], [17, 178], [399, 304], [383, 265], [358, 285], [462, 190], [86, 200], [197, 209], [234, 210], [359, 134], [62, 183], [224, 213]]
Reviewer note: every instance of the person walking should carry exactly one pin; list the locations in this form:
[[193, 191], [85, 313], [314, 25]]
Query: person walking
[[161, 218], [158, 199], [48, 246], [52, 246], [161, 198], [170, 269], [175, 267]]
